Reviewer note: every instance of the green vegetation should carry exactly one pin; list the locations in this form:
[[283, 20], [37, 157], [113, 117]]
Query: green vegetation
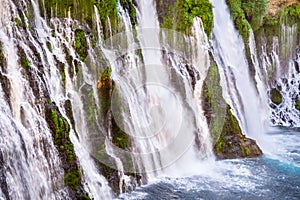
[[297, 104], [232, 143], [21, 22], [104, 90], [292, 16], [228, 140], [24, 62], [119, 137], [276, 96], [80, 10], [179, 15], [61, 68], [239, 18], [255, 11], [105, 86], [83, 10], [69, 112], [231, 127], [49, 46], [214, 102], [61, 138], [272, 24], [90, 108], [247, 14], [60, 131], [81, 45], [128, 5], [72, 179]]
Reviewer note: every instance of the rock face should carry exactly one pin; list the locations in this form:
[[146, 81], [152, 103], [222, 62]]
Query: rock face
[[228, 140], [275, 5], [232, 143]]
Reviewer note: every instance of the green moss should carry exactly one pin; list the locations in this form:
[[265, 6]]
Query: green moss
[[69, 112], [297, 104], [179, 15], [72, 179], [61, 128], [60, 131], [85, 197], [275, 96], [25, 63], [119, 137], [228, 140], [61, 68], [81, 45], [239, 18], [292, 16], [214, 102], [49, 46], [255, 11], [231, 142], [245, 150], [271, 26], [234, 126], [104, 90]]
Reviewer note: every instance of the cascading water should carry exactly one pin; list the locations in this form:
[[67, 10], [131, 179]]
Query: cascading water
[[150, 80], [156, 98], [33, 152], [238, 86], [281, 71]]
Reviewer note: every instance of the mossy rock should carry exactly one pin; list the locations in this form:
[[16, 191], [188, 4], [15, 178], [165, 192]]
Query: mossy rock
[[60, 130], [232, 143], [23, 61], [275, 96], [81, 45], [119, 137], [228, 140]]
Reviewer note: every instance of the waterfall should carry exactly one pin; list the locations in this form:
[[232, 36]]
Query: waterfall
[[238, 86], [57, 141], [152, 82], [29, 159], [280, 70]]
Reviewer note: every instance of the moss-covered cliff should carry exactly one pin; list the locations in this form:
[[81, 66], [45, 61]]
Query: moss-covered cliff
[[178, 15], [60, 130]]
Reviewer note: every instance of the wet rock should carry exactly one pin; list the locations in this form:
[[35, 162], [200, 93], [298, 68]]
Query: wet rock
[[275, 96], [232, 143], [228, 140]]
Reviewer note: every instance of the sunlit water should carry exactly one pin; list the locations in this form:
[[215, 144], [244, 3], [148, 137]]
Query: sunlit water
[[276, 175]]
